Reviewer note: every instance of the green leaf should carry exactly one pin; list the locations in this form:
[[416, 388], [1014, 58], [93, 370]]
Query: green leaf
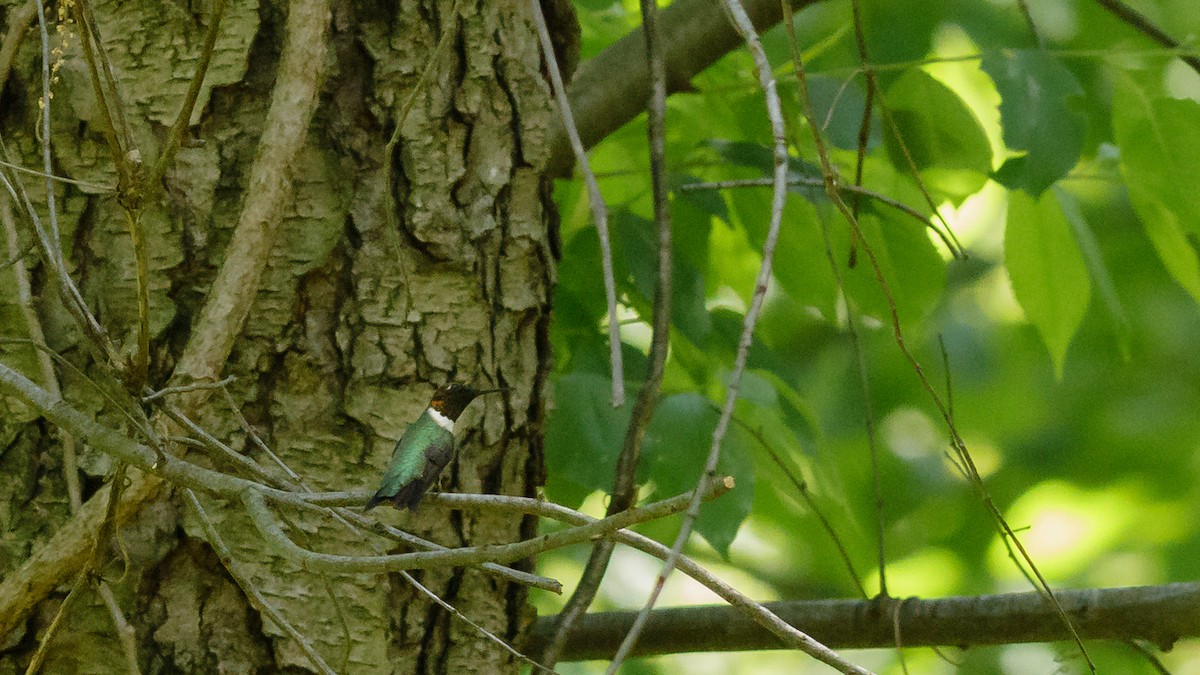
[[800, 264], [1039, 108], [914, 272], [1097, 267], [896, 33], [637, 247], [1048, 274], [1160, 153], [676, 446], [583, 437], [841, 105], [942, 136]]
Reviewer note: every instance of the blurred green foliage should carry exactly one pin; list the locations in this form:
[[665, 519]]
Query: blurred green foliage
[[1071, 329]]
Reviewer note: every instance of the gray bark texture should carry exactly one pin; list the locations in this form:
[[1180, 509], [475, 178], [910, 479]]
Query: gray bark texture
[[353, 323]]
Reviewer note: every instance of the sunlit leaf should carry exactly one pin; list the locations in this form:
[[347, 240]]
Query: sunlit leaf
[[912, 269], [1160, 153], [941, 134], [1048, 273], [1040, 111]]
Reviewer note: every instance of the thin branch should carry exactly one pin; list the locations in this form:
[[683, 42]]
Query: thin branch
[[779, 196], [944, 232], [113, 132], [1160, 615], [52, 256], [624, 491], [814, 182], [184, 118], [595, 200], [243, 580], [1023, 6], [87, 21], [94, 187], [806, 495], [784, 632], [126, 633], [185, 388], [864, 126], [830, 175], [352, 518], [51, 247], [465, 619], [39, 657], [1144, 25], [36, 335]]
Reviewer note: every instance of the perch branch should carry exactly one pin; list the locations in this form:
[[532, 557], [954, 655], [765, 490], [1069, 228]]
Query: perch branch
[[1144, 25], [277, 539]]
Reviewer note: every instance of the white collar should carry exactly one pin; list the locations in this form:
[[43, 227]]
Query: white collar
[[441, 420]]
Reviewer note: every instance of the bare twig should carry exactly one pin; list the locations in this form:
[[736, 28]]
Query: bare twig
[[185, 388], [864, 126], [830, 175], [1144, 25], [756, 611], [50, 241], [37, 335], [809, 500], [243, 580], [595, 200], [39, 657], [624, 492], [184, 118], [93, 187], [814, 182], [126, 633], [1023, 6], [779, 196], [467, 620]]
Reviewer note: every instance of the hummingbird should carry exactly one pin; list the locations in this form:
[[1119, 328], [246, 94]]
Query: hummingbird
[[425, 448]]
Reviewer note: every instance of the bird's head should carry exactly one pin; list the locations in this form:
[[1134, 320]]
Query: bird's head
[[451, 399]]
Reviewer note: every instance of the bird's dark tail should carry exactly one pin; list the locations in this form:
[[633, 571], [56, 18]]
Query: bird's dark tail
[[409, 494], [374, 501], [406, 498]]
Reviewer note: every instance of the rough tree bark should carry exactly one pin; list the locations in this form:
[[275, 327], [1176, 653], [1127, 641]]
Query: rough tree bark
[[352, 326]]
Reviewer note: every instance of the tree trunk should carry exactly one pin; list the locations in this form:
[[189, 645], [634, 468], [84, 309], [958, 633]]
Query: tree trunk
[[389, 274]]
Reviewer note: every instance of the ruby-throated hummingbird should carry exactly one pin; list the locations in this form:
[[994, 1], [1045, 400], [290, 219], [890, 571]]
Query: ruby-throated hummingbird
[[425, 448]]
